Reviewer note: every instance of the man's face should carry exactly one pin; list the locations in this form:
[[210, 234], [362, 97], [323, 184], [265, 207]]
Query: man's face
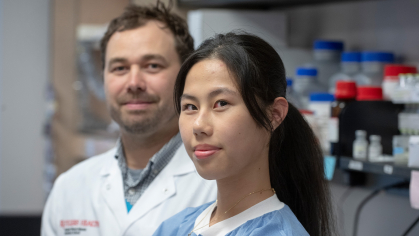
[[140, 73]]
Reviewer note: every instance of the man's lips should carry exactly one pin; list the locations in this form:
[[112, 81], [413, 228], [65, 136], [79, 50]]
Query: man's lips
[[203, 151], [137, 105]]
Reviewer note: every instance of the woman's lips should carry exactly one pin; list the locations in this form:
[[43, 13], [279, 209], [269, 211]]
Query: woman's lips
[[203, 151]]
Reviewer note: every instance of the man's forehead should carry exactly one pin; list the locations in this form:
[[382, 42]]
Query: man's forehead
[[152, 31], [150, 38]]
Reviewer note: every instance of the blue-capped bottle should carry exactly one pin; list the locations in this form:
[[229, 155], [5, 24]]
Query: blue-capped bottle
[[290, 93], [372, 68], [350, 66], [304, 84], [326, 55], [320, 104]]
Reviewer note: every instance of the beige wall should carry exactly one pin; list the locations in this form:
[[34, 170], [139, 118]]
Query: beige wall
[[69, 144]]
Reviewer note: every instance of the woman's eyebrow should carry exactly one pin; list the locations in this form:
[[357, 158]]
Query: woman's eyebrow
[[220, 91], [211, 94], [187, 96]]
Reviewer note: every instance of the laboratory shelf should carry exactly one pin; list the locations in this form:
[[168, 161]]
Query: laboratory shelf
[[385, 168]]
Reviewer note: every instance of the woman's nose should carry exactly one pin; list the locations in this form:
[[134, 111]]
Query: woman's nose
[[203, 125]]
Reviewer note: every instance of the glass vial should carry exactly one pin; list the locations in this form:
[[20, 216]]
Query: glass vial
[[360, 146], [375, 150]]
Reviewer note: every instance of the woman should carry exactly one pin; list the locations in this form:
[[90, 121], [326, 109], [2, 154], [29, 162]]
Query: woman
[[239, 129]]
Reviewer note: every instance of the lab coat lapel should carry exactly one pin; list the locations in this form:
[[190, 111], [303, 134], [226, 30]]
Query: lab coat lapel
[[113, 192], [163, 186], [162, 189]]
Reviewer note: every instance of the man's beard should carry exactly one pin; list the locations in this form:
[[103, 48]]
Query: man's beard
[[145, 125]]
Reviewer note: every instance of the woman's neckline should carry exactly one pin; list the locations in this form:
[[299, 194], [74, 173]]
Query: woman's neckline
[[223, 227]]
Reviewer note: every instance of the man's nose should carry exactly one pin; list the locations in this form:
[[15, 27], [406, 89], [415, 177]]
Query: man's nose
[[136, 80]]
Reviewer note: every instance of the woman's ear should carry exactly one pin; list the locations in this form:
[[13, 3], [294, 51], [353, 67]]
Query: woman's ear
[[279, 110]]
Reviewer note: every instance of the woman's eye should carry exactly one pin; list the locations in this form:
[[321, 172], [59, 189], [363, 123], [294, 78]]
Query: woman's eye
[[189, 107], [220, 104]]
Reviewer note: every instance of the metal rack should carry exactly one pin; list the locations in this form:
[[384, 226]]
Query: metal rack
[[384, 168]]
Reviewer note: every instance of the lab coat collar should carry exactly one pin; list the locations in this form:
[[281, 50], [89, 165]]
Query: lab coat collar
[[179, 165], [162, 188], [110, 162]]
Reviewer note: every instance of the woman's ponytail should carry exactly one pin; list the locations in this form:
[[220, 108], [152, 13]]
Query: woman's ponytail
[[297, 173]]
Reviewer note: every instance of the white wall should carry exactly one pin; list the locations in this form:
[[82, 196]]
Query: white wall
[[24, 71]]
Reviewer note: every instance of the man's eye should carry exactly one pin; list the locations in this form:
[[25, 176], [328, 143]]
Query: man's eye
[[119, 68], [154, 66], [220, 104]]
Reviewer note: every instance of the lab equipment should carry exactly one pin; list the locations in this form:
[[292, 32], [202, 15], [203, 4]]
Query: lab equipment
[[350, 66], [304, 84], [401, 148], [360, 145], [372, 68], [345, 94], [369, 93], [290, 93], [391, 78], [320, 104], [375, 149], [326, 55]]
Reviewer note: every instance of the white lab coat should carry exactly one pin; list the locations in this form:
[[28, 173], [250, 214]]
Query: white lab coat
[[89, 200]]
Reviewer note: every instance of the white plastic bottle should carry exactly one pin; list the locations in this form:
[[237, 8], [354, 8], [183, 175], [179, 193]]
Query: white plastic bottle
[[326, 55], [350, 66], [375, 150], [304, 84], [403, 120], [320, 104], [391, 78], [360, 146], [372, 68], [401, 149]]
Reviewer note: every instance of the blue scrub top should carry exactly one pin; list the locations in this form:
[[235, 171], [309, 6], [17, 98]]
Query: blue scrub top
[[276, 223]]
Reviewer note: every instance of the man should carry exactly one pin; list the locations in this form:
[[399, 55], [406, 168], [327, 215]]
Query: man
[[148, 177]]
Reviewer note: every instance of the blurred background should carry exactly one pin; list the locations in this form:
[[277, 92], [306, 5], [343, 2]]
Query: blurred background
[[53, 114]]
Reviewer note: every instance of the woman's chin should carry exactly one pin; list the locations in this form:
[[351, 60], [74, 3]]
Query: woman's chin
[[208, 173]]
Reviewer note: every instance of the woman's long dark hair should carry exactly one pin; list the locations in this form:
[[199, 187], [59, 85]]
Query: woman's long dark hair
[[295, 158]]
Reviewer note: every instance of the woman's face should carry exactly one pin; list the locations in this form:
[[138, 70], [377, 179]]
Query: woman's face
[[218, 131]]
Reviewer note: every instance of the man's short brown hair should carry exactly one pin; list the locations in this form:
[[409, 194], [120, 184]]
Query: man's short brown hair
[[136, 16]]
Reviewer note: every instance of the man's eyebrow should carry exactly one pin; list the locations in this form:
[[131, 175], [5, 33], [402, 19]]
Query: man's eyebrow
[[154, 56], [146, 57], [117, 60], [210, 95]]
